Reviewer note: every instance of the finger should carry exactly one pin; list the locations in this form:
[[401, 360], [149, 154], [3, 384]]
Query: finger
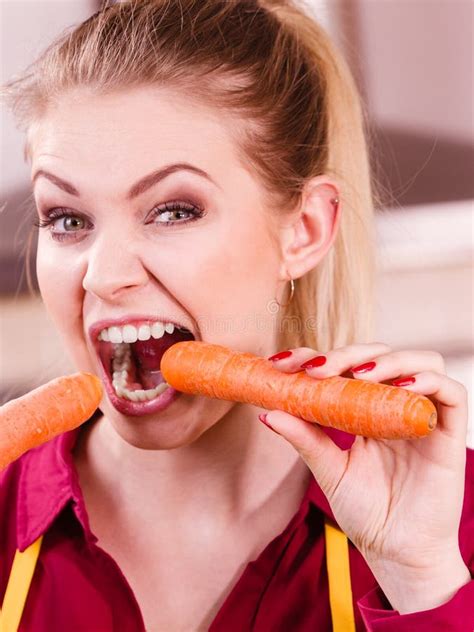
[[397, 363], [290, 360], [450, 397], [326, 461], [342, 359]]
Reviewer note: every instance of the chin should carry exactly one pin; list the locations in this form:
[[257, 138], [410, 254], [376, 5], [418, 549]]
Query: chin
[[152, 434]]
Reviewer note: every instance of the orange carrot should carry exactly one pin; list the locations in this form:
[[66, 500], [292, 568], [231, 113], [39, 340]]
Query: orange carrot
[[356, 406], [60, 405]]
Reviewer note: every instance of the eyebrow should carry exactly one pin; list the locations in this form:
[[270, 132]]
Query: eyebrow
[[138, 188]]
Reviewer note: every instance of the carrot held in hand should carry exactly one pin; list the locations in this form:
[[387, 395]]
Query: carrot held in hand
[[355, 406], [32, 419]]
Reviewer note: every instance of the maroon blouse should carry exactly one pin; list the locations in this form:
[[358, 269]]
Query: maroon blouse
[[78, 586]]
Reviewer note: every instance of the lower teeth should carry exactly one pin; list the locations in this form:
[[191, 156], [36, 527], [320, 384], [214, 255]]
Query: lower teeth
[[121, 366]]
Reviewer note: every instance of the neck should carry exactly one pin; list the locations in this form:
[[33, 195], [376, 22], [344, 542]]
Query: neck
[[230, 472]]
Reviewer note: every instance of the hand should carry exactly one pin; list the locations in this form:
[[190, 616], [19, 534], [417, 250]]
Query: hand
[[399, 501]]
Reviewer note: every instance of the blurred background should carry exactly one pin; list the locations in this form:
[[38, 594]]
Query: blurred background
[[412, 61]]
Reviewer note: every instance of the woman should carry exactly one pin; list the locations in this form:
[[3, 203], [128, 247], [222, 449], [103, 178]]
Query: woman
[[200, 170]]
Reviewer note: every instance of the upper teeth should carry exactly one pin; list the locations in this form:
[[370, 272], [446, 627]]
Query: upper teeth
[[130, 333]]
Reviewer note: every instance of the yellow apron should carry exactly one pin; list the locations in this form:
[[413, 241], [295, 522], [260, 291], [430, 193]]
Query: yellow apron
[[337, 559]]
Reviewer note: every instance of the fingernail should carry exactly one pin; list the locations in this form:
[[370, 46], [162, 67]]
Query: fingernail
[[314, 362], [362, 368], [403, 381], [263, 419], [280, 356]]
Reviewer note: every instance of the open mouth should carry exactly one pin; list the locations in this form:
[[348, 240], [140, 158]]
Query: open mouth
[[133, 368]]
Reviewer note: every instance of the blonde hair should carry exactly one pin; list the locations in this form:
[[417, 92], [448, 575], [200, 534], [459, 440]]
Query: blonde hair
[[275, 67]]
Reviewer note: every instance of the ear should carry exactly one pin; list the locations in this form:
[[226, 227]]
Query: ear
[[311, 231]]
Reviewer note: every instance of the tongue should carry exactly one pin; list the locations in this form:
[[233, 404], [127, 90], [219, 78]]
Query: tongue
[[148, 354]]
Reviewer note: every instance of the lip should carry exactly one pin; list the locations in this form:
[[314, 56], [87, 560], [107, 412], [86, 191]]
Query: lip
[[132, 319], [127, 407], [137, 409]]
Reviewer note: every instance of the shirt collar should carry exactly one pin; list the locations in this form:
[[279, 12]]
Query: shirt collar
[[49, 481]]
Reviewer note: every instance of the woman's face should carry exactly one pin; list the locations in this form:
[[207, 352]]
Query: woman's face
[[127, 250]]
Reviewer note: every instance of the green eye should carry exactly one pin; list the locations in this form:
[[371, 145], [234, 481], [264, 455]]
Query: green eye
[[70, 221], [176, 213]]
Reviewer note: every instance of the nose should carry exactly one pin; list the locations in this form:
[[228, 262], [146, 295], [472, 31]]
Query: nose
[[113, 267]]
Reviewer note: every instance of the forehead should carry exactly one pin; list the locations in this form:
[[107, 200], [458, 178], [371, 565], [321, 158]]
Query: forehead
[[133, 130]]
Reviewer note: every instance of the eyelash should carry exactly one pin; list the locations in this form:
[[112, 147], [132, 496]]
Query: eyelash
[[59, 213]]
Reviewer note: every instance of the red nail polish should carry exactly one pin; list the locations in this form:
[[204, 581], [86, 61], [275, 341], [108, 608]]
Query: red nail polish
[[362, 368], [403, 381], [263, 419], [314, 362], [280, 356]]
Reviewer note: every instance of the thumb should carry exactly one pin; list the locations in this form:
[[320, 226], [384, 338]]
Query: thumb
[[323, 457]]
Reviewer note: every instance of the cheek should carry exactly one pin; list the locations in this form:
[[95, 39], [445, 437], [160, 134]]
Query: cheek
[[59, 281], [241, 264], [225, 281], [56, 281]]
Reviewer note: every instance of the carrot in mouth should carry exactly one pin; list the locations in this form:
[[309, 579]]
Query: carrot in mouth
[[32, 419], [356, 406]]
